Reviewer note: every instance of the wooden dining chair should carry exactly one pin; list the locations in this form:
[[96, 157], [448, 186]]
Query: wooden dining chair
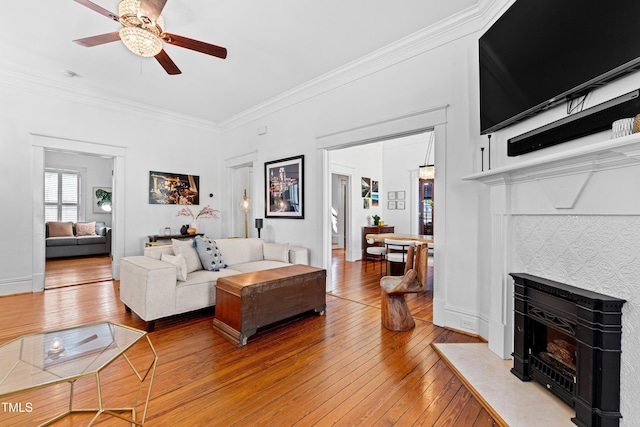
[[396, 252], [378, 252], [395, 312]]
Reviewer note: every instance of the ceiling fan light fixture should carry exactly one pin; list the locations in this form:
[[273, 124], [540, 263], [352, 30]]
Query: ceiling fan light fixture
[[140, 41]]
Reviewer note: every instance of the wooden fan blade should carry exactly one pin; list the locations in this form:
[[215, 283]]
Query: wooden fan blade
[[196, 45], [167, 63], [152, 8], [98, 40], [98, 9]]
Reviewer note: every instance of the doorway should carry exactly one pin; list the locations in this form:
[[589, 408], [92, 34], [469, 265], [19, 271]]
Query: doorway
[[339, 211], [41, 143], [425, 204], [71, 179], [432, 119]]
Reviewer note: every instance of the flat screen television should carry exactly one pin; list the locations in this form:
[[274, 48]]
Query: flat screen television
[[543, 52]]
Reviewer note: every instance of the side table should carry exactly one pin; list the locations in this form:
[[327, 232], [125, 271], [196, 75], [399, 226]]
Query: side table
[[42, 360]]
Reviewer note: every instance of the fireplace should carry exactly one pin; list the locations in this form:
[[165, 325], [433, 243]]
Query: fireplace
[[569, 340]]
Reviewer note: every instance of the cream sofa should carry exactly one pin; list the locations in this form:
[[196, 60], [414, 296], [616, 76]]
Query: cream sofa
[[149, 285]]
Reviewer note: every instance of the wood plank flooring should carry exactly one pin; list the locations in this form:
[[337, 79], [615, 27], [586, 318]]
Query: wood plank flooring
[[341, 369], [60, 272]]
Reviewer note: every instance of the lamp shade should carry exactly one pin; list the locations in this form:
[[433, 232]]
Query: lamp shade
[[259, 223], [427, 172]]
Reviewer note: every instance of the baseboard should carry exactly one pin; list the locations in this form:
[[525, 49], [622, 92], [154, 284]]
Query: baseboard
[[17, 285]]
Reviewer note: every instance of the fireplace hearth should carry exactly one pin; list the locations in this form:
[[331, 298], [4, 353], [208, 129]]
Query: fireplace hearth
[[569, 340]]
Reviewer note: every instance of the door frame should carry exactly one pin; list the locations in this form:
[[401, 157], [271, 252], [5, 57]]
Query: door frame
[[40, 143], [389, 128]]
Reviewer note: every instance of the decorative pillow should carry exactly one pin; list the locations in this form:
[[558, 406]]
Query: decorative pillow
[[185, 247], [209, 254], [86, 228], [60, 229], [276, 251], [179, 262]]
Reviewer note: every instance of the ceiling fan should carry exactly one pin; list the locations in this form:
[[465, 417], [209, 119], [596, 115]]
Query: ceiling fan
[[143, 32]]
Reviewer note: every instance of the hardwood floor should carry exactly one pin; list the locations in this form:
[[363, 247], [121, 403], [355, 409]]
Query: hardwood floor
[[60, 272], [341, 369]]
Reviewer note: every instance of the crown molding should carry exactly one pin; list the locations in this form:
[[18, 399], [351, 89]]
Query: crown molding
[[446, 31], [28, 82]]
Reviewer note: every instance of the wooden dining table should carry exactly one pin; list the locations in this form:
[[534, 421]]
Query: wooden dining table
[[380, 238]]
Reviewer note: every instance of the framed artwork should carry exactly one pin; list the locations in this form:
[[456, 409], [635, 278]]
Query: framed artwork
[[374, 186], [366, 187], [400, 195], [374, 199], [284, 192], [400, 204], [391, 195], [366, 203], [391, 204], [102, 200], [173, 189]]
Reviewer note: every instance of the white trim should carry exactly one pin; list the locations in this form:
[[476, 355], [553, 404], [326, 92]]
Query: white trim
[[350, 254], [603, 155], [459, 25], [396, 127], [32, 83]]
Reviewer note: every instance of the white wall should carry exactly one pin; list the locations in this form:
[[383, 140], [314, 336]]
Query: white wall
[[152, 141], [441, 74], [402, 158]]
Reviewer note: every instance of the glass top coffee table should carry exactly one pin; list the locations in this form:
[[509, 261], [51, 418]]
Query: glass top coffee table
[[41, 360]]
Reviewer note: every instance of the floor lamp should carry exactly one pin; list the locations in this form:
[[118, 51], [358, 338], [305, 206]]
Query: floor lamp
[[246, 203]]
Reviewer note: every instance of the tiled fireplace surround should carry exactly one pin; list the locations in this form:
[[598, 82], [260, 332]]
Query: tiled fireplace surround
[[573, 217]]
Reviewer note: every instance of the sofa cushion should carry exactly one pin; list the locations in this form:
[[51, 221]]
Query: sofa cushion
[[179, 262], [60, 229], [86, 228], [156, 251], [91, 240], [62, 241], [185, 247], [209, 254], [276, 252], [239, 251]]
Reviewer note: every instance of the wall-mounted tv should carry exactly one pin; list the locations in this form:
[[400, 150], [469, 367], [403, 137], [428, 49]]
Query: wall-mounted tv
[[542, 52]]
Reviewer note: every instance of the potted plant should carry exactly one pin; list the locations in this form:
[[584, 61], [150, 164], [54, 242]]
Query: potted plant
[[376, 220]]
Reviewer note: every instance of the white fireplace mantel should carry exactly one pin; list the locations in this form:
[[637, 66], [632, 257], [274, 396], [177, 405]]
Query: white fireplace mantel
[[609, 154], [571, 216], [563, 178]]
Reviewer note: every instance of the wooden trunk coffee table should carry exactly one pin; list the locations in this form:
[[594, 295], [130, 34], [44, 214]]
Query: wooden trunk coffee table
[[249, 301]]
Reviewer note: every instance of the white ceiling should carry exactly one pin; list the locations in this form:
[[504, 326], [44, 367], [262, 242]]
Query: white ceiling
[[273, 47]]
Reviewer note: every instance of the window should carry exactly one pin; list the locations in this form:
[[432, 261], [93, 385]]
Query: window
[[61, 195]]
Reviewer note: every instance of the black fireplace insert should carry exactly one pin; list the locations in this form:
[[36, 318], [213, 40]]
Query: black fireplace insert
[[569, 340]]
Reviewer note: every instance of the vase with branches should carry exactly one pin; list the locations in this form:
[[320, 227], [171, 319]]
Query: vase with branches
[[206, 212]]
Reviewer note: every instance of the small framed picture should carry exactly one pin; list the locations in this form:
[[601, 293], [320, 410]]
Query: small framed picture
[[400, 196], [400, 204], [366, 187], [391, 195], [391, 204]]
